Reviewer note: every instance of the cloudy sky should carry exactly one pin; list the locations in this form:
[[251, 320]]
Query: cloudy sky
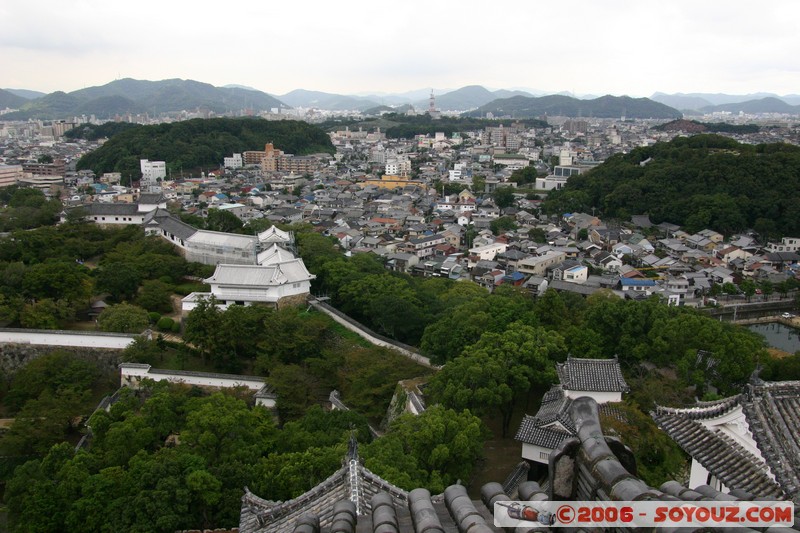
[[633, 47]]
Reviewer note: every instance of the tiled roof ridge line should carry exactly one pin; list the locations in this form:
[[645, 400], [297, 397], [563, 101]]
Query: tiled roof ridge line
[[703, 409], [269, 509]]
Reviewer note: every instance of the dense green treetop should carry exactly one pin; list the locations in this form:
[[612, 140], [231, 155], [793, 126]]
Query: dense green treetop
[[492, 374], [200, 143], [26, 208], [93, 132], [123, 318], [433, 450], [170, 457], [704, 181]]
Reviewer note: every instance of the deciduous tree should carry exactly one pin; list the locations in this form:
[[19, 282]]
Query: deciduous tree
[[123, 318]]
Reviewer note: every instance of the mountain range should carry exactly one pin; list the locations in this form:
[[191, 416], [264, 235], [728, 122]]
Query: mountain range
[[139, 96], [174, 95], [560, 105], [703, 101], [10, 100]]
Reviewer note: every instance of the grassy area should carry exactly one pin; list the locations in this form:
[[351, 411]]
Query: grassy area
[[347, 335]]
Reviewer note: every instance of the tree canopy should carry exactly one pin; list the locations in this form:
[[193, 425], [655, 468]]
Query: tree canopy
[[698, 182], [191, 144]]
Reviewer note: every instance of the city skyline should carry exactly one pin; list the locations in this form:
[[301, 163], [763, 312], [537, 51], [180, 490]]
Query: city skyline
[[618, 47]]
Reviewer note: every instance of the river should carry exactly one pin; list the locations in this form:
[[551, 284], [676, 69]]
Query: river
[[779, 336]]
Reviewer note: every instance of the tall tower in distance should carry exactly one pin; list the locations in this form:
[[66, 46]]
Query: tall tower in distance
[[432, 107]]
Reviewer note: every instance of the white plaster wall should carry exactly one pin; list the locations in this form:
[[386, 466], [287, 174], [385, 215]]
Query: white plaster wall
[[65, 338], [599, 397], [535, 453]]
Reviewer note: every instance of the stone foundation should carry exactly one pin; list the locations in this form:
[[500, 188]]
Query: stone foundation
[[15, 356]]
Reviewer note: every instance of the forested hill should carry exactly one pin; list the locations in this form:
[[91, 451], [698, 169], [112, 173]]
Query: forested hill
[[705, 181], [557, 104], [202, 143]]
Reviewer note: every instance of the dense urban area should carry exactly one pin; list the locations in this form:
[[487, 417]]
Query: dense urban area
[[236, 319]]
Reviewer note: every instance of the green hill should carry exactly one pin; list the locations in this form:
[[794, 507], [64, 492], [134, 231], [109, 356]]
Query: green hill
[[762, 105], [140, 96], [201, 143], [705, 181], [10, 100], [561, 105]]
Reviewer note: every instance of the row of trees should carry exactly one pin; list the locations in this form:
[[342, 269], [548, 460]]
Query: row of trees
[[704, 181]]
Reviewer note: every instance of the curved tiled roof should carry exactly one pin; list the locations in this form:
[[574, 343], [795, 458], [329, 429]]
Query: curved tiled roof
[[773, 412], [552, 424], [598, 375], [584, 466], [718, 453]]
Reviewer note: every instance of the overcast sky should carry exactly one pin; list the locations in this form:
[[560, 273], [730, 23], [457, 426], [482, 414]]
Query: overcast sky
[[633, 47]]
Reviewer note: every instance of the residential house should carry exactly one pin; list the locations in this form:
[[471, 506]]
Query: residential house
[[401, 262], [674, 247], [780, 260], [607, 261], [538, 265], [787, 244], [719, 275], [488, 252], [731, 253], [636, 288], [423, 246], [571, 271], [510, 258], [491, 278]]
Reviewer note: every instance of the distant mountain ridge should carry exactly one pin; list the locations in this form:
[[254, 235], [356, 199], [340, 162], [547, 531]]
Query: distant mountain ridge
[[10, 100], [141, 96], [559, 105], [173, 95], [698, 101], [466, 98], [327, 101], [26, 93], [763, 105], [463, 99]]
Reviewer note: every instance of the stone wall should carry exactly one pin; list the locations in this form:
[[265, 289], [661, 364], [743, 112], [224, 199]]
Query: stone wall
[[296, 300], [15, 356]]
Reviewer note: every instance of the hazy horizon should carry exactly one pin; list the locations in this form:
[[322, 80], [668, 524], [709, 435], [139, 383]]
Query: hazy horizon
[[424, 91], [618, 47]]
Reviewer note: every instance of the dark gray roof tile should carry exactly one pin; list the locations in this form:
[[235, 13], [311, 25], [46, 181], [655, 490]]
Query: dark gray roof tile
[[598, 375]]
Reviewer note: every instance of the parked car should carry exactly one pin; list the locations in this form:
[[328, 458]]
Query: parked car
[[787, 315]]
